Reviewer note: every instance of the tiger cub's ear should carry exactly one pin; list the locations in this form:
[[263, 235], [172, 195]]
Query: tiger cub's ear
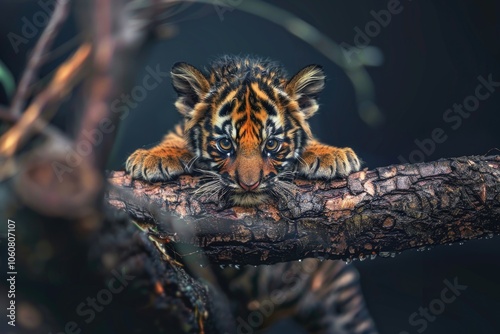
[[190, 85], [305, 86]]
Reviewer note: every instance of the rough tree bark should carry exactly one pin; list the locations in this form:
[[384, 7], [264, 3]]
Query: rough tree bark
[[375, 212]]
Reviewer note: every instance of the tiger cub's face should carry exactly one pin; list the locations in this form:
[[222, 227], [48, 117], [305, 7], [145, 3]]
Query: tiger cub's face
[[245, 121]]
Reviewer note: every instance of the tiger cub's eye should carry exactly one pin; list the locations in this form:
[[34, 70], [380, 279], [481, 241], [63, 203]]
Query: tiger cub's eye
[[224, 145], [272, 145]]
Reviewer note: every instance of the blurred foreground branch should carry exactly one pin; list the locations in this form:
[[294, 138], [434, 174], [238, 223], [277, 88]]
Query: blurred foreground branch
[[87, 252], [376, 212]]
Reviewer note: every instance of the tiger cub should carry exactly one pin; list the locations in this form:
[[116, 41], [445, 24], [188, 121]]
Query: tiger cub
[[245, 127]]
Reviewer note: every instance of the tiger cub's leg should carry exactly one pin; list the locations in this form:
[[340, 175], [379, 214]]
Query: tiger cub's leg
[[163, 162], [323, 161]]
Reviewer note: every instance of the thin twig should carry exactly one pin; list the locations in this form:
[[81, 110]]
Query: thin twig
[[37, 58], [71, 44], [65, 78]]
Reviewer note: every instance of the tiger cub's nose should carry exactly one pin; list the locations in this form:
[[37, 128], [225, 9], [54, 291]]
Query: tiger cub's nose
[[248, 187], [249, 170]]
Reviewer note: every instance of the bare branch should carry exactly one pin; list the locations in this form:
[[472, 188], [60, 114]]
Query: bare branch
[[64, 79], [38, 56]]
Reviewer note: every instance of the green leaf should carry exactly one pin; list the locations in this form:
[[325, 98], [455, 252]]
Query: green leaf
[[7, 79]]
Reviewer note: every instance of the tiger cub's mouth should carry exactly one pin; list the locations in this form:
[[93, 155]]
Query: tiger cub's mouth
[[248, 198], [221, 188]]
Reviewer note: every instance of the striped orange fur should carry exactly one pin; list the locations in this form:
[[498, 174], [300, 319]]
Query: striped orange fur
[[245, 128]]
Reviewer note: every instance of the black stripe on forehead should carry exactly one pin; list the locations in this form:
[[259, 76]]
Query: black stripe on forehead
[[266, 89], [224, 129], [252, 131], [270, 125], [273, 128], [268, 107], [240, 95], [220, 93], [252, 99], [258, 124], [239, 123], [226, 109], [253, 126], [243, 105], [288, 124]]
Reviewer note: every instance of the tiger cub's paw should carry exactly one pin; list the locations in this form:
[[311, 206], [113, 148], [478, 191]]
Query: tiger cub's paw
[[156, 166], [327, 162]]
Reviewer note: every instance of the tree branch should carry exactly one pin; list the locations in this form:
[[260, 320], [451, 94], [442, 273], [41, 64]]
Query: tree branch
[[375, 212]]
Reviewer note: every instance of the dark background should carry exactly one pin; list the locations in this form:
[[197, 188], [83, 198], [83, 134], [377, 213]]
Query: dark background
[[433, 52]]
